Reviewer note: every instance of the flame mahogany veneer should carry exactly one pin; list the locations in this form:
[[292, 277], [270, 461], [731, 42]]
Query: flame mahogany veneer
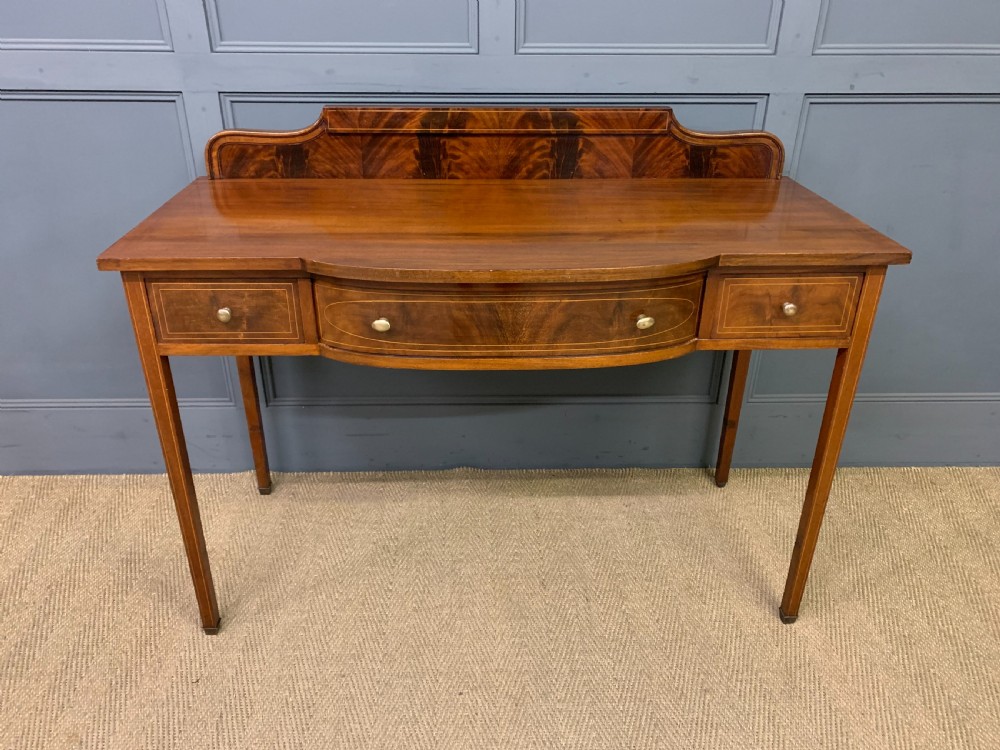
[[511, 238]]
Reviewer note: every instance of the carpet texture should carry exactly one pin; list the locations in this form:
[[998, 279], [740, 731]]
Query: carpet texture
[[472, 609]]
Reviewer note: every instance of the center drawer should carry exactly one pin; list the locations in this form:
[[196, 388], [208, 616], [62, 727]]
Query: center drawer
[[507, 320]]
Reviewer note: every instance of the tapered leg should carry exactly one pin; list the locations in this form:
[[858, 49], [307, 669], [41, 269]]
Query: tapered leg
[[168, 423], [251, 406], [843, 386], [734, 404]]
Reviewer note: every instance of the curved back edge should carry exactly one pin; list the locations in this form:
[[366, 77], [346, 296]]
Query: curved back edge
[[493, 143]]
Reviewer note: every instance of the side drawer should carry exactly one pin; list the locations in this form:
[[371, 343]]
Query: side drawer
[[784, 306], [226, 312]]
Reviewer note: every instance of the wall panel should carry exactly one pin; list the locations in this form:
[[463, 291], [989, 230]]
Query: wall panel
[[648, 27], [925, 27], [80, 169], [368, 26], [117, 25], [922, 170], [888, 111], [285, 111]]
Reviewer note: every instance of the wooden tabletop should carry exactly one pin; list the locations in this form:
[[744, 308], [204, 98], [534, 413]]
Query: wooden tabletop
[[497, 230]]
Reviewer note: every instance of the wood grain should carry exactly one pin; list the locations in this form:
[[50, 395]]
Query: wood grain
[[840, 399], [497, 230], [493, 143], [255, 425], [752, 305], [262, 312], [163, 399], [738, 370], [472, 321]]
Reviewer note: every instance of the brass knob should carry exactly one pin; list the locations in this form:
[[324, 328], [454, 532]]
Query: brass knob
[[381, 325], [790, 309], [224, 314], [644, 321]]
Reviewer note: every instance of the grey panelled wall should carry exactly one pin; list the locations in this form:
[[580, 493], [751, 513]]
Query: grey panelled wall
[[889, 109]]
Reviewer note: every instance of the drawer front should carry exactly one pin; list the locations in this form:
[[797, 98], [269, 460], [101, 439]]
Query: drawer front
[[507, 321], [760, 306], [225, 311]]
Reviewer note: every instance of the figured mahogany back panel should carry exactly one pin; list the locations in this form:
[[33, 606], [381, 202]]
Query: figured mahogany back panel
[[546, 143]]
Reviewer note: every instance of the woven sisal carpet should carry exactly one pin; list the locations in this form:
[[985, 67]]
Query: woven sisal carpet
[[471, 609]]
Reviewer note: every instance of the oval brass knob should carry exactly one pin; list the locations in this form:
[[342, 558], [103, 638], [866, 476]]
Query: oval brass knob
[[644, 321], [381, 325], [790, 309], [224, 314]]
